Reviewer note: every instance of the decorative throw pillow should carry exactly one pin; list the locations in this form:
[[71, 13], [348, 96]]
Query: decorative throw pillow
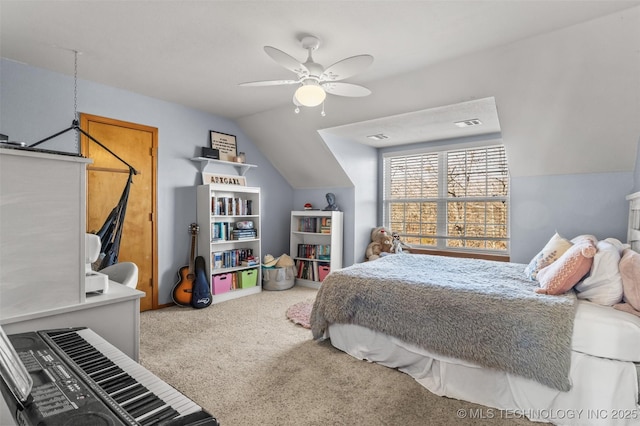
[[577, 238], [551, 252], [603, 285], [563, 274], [630, 272]]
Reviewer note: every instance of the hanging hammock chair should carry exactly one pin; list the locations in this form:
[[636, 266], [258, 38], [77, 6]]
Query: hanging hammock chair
[[111, 231]]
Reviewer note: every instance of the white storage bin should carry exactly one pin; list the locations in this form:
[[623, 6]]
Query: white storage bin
[[278, 278]]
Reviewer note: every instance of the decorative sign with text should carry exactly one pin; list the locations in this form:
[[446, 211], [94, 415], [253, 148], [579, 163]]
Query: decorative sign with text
[[219, 179], [225, 144]]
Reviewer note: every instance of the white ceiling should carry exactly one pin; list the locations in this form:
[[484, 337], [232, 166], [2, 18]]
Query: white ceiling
[[195, 53], [419, 126]]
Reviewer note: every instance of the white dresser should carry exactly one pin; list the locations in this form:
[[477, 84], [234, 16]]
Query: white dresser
[[42, 251]]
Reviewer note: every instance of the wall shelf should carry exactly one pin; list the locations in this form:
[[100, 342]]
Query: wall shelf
[[242, 168]]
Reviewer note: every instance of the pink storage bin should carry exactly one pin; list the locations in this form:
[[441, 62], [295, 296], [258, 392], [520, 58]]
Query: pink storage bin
[[221, 283], [323, 271]]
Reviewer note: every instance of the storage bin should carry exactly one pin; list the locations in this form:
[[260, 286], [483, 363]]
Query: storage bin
[[221, 283], [248, 278], [278, 278], [323, 271]]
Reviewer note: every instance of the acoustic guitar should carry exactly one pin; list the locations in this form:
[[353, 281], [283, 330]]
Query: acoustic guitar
[[183, 290]]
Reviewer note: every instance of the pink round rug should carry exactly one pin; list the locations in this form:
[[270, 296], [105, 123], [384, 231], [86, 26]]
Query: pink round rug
[[300, 313]]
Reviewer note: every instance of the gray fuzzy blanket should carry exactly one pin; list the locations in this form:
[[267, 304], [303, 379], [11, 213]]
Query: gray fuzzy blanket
[[481, 311]]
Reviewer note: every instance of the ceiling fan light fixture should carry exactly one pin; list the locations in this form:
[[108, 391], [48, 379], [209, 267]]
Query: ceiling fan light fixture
[[310, 94], [314, 81]]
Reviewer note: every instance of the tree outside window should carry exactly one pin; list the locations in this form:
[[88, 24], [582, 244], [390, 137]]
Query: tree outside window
[[449, 200]]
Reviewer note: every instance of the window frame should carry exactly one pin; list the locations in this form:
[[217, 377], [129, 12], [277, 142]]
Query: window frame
[[442, 199]]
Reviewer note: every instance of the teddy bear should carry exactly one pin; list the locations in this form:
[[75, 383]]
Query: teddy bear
[[381, 243]]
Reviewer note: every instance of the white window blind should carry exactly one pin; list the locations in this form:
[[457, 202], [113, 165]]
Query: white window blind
[[449, 200]]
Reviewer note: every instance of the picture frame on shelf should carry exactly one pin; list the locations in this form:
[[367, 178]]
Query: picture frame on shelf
[[225, 144]]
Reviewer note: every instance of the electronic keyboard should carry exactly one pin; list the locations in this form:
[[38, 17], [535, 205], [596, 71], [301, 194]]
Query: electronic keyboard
[[79, 378]]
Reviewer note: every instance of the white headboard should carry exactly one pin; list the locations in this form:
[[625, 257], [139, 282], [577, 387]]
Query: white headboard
[[633, 231]]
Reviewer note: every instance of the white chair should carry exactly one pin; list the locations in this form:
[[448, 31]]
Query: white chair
[[125, 273], [91, 251]]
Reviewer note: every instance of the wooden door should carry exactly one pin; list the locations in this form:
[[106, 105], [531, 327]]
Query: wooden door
[[106, 178]]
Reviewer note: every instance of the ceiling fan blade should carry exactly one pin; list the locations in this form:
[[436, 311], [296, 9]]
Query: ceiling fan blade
[[286, 60], [269, 83], [346, 89], [346, 68]]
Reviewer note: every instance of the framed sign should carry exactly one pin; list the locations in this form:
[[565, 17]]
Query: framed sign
[[219, 179], [225, 144]]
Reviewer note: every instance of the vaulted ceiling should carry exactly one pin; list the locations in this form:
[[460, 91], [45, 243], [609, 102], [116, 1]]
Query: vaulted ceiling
[[196, 53]]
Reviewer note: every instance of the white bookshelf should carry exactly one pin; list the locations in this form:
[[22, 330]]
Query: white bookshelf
[[315, 247], [210, 241]]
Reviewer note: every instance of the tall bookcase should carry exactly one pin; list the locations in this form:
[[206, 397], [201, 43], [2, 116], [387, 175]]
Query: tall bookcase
[[226, 242], [315, 245]]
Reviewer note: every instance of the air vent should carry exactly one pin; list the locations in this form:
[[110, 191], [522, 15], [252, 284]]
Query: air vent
[[468, 123], [378, 137]]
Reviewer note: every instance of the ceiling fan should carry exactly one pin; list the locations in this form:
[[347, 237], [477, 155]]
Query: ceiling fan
[[313, 80]]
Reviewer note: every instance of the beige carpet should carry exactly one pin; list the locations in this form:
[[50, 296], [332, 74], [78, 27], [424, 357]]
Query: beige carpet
[[247, 364]]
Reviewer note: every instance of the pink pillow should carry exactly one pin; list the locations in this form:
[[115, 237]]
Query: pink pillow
[[630, 270], [564, 273]]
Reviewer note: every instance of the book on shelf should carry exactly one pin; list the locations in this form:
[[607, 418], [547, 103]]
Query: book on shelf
[[243, 234], [320, 225], [231, 258], [312, 271], [325, 225], [216, 260], [234, 281], [314, 251], [231, 206], [308, 224]]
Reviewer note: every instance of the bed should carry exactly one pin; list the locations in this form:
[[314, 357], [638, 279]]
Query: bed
[[481, 331]]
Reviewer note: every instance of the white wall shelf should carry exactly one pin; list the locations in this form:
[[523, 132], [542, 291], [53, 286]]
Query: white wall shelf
[[242, 168]]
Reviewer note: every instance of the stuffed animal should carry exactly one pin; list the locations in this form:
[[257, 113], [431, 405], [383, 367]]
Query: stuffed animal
[[399, 246], [381, 243]]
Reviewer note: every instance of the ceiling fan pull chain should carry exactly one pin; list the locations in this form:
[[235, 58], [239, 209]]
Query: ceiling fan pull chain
[[75, 84]]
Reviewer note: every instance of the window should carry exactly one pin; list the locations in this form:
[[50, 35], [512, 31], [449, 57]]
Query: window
[[449, 200]]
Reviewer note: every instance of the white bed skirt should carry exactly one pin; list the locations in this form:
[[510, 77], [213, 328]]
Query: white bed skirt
[[604, 391]]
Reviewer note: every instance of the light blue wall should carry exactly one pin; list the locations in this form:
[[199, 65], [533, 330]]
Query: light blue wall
[[360, 163], [569, 204], [35, 103]]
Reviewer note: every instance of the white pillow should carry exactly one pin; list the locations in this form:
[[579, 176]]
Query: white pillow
[[603, 285], [551, 252]]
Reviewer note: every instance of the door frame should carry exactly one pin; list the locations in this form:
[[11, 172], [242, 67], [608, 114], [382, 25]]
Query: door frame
[[84, 141]]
